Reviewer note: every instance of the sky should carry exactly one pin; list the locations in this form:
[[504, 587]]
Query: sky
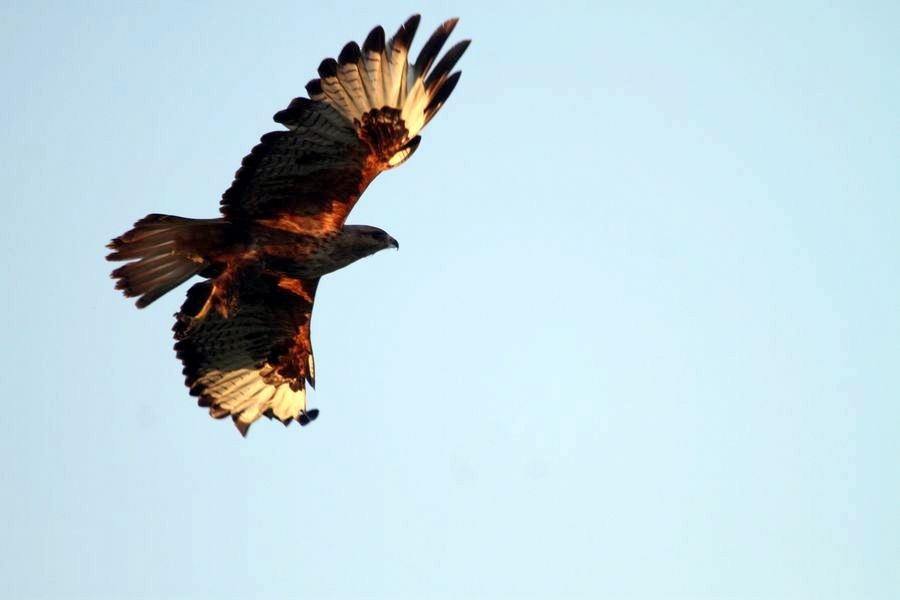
[[641, 340]]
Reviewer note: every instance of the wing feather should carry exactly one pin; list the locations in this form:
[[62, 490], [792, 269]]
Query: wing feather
[[373, 56], [398, 62], [433, 47], [256, 360], [363, 116], [446, 64], [349, 77]]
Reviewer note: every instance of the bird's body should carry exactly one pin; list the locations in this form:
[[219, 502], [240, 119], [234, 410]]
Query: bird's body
[[243, 333]]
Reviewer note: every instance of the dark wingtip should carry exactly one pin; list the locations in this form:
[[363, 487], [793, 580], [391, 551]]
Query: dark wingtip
[[446, 64], [307, 417], [375, 40], [442, 94], [328, 68], [404, 36], [447, 27], [314, 87], [242, 427], [433, 46], [412, 23], [350, 54]]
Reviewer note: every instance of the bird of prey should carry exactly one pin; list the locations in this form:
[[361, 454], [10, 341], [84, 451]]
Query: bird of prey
[[243, 332]]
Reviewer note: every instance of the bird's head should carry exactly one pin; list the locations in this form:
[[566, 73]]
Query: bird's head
[[363, 240]]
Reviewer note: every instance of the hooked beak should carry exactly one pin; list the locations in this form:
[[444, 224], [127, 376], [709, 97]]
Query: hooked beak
[[394, 243]]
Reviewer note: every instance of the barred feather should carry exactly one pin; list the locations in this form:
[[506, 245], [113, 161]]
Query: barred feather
[[379, 76], [255, 362], [165, 251]]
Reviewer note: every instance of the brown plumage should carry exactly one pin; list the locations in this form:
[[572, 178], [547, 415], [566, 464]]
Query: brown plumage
[[243, 333]]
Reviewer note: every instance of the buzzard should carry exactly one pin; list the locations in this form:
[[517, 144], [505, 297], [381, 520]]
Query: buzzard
[[243, 333]]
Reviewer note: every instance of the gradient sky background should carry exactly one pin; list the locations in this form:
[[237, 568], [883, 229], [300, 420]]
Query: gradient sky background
[[641, 339]]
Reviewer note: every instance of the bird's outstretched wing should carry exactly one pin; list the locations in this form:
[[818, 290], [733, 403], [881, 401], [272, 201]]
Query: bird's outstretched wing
[[363, 116], [256, 361]]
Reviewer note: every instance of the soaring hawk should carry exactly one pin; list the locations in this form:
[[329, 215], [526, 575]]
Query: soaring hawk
[[242, 334]]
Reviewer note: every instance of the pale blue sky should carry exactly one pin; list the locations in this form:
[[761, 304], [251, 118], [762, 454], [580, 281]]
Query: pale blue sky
[[641, 340]]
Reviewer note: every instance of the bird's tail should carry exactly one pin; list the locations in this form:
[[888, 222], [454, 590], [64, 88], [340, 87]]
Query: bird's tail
[[165, 251]]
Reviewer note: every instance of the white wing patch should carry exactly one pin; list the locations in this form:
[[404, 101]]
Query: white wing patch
[[380, 76], [245, 394], [229, 362]]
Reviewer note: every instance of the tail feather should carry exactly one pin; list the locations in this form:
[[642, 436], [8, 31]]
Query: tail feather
[[165, 252]]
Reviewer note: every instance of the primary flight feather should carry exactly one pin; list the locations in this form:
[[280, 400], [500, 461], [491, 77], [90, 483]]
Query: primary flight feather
[[242, 334]]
